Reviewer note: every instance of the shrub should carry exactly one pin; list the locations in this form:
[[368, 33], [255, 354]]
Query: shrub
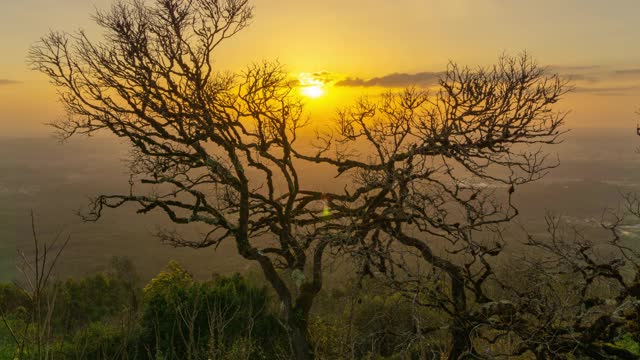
[[184, 318], [88, 300]]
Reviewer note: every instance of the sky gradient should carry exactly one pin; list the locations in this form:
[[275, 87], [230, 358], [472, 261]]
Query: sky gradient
[[368, 46]]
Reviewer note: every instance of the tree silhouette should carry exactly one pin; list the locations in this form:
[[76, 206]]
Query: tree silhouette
[[432, 173], [428, 171], [208, 147]]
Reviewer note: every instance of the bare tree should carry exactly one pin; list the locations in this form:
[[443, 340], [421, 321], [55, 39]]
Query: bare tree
[[37, 271], [208, 147], [573, 295], [430, 171]]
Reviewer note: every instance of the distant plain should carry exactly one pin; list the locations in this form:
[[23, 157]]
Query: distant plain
[[55, 180]]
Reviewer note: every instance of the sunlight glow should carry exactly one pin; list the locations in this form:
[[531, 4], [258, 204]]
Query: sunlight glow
[[310, 86], [313, 91]]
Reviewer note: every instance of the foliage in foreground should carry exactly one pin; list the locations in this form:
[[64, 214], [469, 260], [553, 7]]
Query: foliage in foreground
[[175, 316]]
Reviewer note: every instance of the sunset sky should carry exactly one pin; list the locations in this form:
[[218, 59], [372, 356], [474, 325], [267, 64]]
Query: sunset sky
[[368, 46]]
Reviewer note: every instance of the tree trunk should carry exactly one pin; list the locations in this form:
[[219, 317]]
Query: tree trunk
[[460, 342], [299, 337]]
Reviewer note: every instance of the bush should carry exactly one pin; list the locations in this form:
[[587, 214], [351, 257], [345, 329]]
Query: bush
[[12, 297], [100, 340], [627, 342], [373, 322], [183, 318], [86, 301]]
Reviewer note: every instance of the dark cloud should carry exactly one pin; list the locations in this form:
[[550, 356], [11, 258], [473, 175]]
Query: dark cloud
[[8, 82], [431, 78], [395, 80], [590, 79]]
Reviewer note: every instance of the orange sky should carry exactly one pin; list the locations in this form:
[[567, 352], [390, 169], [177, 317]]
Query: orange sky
[[594, 41]]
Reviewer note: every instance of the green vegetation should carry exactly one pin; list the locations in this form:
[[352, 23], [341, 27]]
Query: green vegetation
[[111, 315], [175, 316], [103, 316], [184, 318]]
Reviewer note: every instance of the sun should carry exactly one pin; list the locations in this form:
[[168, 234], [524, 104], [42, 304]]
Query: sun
[[313, 91], [311, 86]]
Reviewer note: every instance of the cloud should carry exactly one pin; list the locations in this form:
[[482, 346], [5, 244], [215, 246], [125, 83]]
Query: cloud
[[313, 79], [323, 76], [395, 80], [595, 73], [601, 80], [579, 68], [582, 77], [587, 73], [589, 79], [8, 82], [628, 72], [609, 90]]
